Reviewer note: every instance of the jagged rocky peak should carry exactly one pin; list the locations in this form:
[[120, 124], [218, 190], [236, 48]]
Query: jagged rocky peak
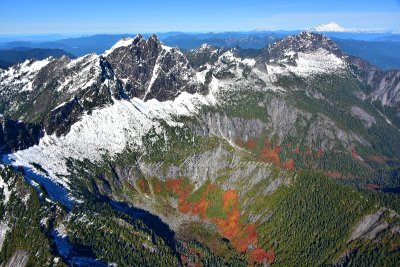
[[207, 48], [133, 67], [149, 69], [57, 88], [204, 54], [307, 42], [137, 50]]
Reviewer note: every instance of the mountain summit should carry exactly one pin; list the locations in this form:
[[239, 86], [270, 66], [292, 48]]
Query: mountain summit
[[330, 27]]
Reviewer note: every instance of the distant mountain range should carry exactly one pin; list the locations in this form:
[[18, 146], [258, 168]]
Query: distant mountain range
[[379, 48], [9, 57]]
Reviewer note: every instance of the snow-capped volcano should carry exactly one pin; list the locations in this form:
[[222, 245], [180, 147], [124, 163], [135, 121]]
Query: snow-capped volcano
[[330, 27]]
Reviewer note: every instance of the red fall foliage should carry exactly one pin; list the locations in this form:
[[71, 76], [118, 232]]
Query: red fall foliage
[[243, 237]]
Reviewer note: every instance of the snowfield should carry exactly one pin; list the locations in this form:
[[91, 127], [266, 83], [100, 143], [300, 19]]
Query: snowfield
[[107, 131], [6, 190], [308, 64]]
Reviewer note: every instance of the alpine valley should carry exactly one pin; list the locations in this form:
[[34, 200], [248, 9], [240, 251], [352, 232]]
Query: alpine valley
[[148, 156]]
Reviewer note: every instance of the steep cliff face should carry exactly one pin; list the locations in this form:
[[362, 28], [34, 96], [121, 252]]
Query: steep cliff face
[[149, 69], [387, 88], [381, 86], [15, 135], [222, 147]]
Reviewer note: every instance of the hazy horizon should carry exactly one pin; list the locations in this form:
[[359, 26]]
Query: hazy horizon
[[94, 17]]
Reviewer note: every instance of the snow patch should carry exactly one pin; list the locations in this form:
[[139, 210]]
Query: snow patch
[[60, 105], [320, 61], [121, 43], [89, 70], [3, 231], [201, 75], [6, 191], [154, 76], [249, 61]]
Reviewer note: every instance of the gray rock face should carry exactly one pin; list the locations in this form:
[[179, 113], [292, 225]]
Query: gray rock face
[[383, 86], [209, 165], [367, 119], [199, 167], [284, 118], [283, 121], [368, 227], [325, 132], [317, 130], [230, 128], [274, 185], [18, 259], [16, 135], [3, 231], [386, 86]]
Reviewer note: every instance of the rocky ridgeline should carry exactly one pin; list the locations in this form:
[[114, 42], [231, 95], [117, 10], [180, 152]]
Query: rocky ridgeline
[[54, 93], [17, 135]]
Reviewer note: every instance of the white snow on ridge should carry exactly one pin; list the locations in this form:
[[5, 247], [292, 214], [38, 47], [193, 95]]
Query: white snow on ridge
[[81, 73], [249, 61], [166, 48], [107, 131], [307, 64], [228, 56], [75, 62], [21, 75], [89, 71], [170, 49], [321, 61], [121, 43], [201, 75], [35, 66]]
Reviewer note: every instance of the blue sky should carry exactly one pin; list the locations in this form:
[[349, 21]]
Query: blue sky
[[129, 16]]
